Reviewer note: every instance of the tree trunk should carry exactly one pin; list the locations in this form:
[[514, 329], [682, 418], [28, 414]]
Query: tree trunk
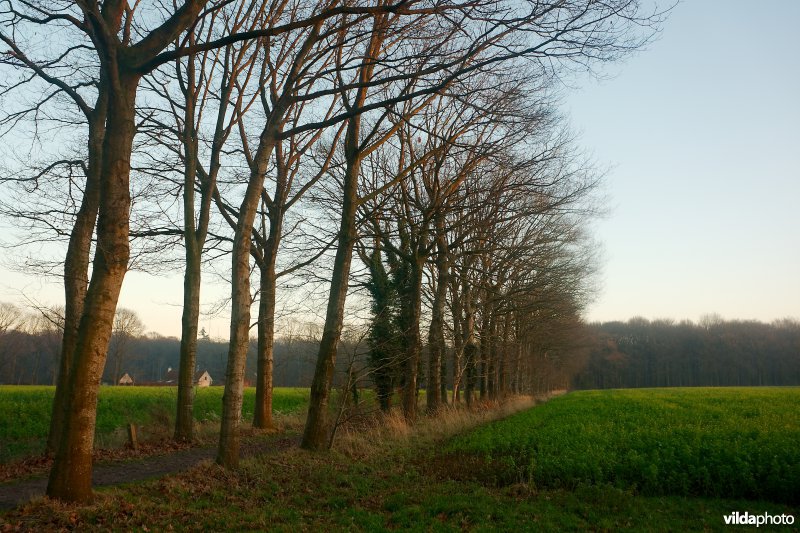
[[382, 334], [71, 475], [470, 344], [228, 454], [458, 343], [436, 332], [229, 437], [443, 376], [502, 381], [262, 417], [413, 303], [193, 243], [315, 435], [76, 269], [487, 345], [184, 419]]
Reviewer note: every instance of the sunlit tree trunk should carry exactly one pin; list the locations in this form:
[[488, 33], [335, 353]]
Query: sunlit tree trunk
[[458, 340], [71, 475], [76, 268]]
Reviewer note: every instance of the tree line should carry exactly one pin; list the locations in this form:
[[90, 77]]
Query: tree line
[[284, 138], [632, 354], [710, 353], [30, 342]]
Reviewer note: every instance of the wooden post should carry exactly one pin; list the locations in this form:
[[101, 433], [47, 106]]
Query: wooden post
[[134, 442]]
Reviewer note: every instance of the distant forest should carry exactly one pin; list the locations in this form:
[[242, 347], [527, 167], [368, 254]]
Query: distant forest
[[29, 353], [636, 353], [715, 353]]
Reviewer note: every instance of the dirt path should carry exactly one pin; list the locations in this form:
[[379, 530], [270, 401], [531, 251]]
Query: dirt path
[[14, 493]]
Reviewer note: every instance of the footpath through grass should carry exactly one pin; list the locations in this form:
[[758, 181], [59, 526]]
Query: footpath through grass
[[25, 413], [733, 443], [382, 478]]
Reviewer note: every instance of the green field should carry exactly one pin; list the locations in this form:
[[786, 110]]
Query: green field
[[25, 412], [725, 443]]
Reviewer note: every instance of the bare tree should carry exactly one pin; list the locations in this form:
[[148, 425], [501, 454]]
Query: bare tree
[[127, 327], [211, 83], [123, 48], [471, 37]]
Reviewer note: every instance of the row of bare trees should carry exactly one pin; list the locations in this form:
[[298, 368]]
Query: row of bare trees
[[485, 234], [422, 121]]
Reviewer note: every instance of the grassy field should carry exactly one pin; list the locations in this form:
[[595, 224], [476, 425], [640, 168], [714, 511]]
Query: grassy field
[[732, 443], [25, 412], [393, 477]]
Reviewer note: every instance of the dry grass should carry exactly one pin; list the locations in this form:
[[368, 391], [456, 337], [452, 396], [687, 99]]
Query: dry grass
[[380, 431]]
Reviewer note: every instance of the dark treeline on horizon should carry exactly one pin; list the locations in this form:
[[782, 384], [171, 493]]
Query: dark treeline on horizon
[[30, 358], [712, 353], [636, 353]]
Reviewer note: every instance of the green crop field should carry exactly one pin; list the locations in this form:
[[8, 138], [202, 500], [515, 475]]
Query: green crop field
[[727, 443], [25, 411]]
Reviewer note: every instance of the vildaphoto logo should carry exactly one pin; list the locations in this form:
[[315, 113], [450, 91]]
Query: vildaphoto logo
[[765, 519]]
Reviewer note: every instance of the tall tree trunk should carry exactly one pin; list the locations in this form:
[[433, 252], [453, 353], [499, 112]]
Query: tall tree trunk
[[470, 344], [315, 435], [502, 381], [382, 336], [487, 345], [491, 361], [71, 475], [443, 377], [76, 267], [193, 245], [229, 437], [262, 417]]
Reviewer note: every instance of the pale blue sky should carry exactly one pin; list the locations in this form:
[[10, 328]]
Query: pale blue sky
[[701, 131]]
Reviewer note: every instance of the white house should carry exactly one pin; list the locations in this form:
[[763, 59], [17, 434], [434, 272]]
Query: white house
[[202, 378]]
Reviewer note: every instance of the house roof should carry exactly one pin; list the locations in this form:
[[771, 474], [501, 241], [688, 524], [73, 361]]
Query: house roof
[[172, 375]]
